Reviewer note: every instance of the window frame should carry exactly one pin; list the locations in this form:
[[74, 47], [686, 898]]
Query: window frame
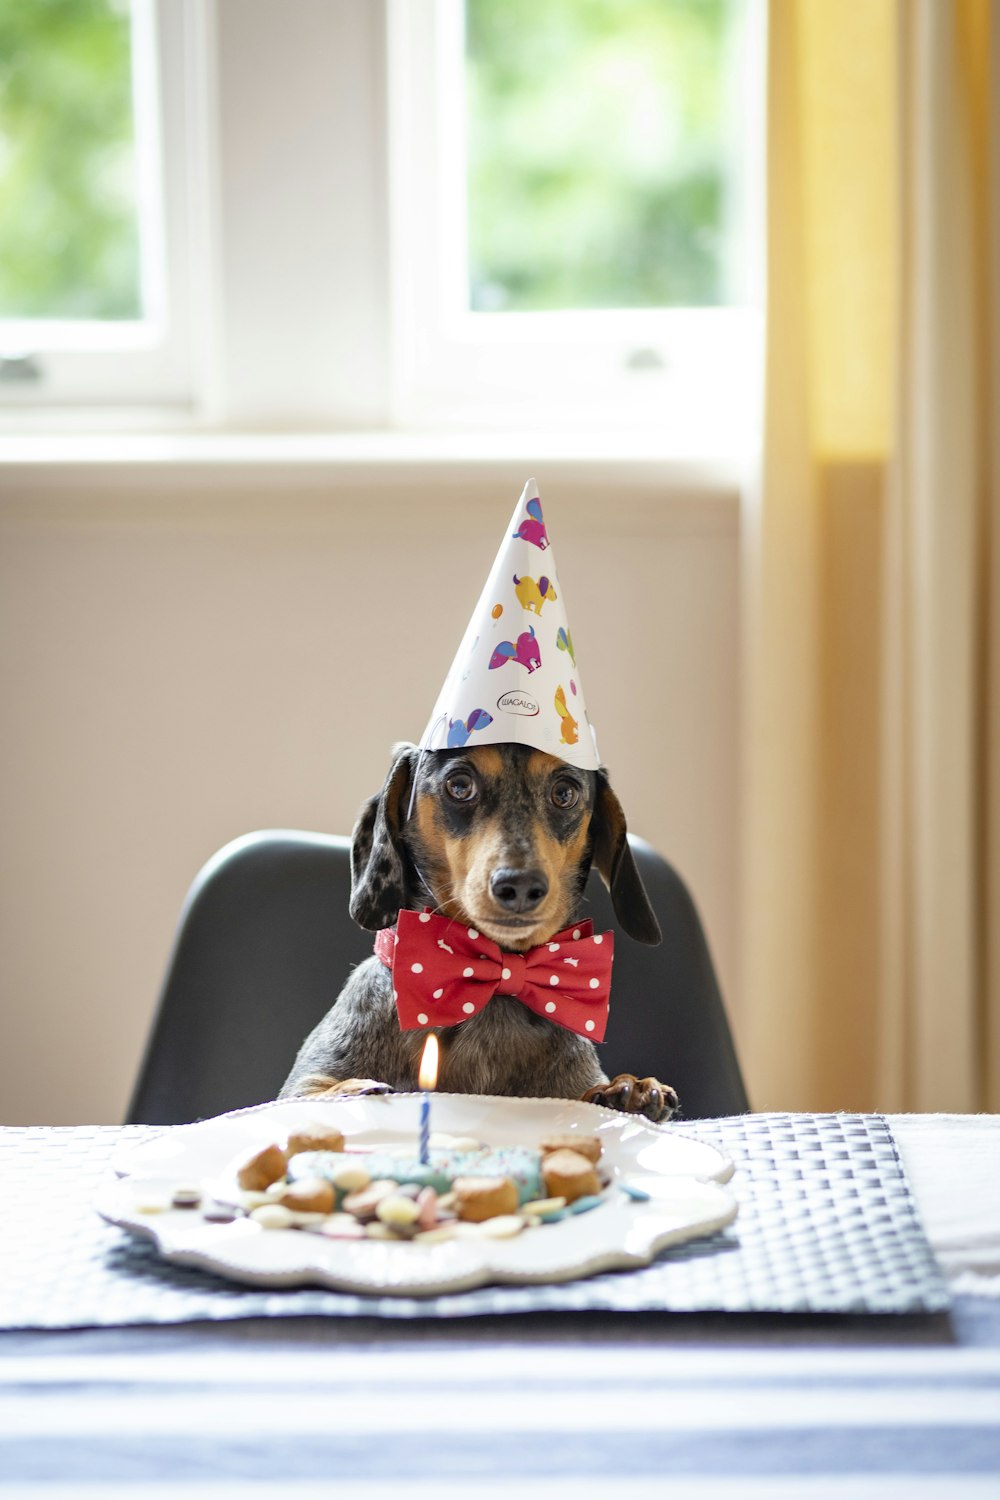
[[690, 373], [147, 361], [298, 301]]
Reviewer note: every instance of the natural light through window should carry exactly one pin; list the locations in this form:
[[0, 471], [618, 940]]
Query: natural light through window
[[437, 214], [576, 214], [68, 175], [91, 283], [603, 154]]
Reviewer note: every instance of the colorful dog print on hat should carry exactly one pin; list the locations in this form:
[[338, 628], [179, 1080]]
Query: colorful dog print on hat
[[459, 731], [570, 730], [565, 643], [533, 529], [524, 651], [533, 593]]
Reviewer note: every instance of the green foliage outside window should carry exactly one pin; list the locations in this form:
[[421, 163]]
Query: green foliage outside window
[[69, 243], [598, 152], [599, 159]]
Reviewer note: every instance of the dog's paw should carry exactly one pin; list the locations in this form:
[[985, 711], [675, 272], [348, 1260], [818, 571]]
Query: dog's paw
[[635, 1096], [321, 1086]]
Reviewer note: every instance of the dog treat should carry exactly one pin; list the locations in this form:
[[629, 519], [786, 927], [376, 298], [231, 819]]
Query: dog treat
[[350, 1179], [585, 1145], [466, 1189], [500, 1227], [310, 1195], [585, 1204], [634, 1191], [544, 1208], [186, 1197], [397, 1211], [428, 1208], [363, 1205], [479, 1198], [272, 1216], [317, 1137], [379, 1231], [439, 1234], [569, 1175], [219, 1213], [148, 1202], [340, 1227], [262, 1169]]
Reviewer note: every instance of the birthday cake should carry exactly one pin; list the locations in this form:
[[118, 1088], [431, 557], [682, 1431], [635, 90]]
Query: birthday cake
[[443, 1168], [319, 1182]]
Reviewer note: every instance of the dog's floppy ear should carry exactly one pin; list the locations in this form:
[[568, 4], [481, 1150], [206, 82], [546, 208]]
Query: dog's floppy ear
[[616, 866], [378, 859]]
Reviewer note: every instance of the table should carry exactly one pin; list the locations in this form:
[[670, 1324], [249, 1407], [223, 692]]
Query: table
[[561, 1405]]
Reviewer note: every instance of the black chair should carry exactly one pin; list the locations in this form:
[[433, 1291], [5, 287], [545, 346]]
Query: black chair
[[265, 942]]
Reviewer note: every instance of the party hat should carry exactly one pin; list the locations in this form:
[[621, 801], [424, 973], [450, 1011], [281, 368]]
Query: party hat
[[515, 679]]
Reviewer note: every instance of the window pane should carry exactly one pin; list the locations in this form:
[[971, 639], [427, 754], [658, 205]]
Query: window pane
[[69, 242], [602, 143]]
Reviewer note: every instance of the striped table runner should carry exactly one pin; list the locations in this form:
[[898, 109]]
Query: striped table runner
[[552, 1419]]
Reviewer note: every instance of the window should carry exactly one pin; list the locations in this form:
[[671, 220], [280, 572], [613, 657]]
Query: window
[[92, 261], [575, 210], [602, 154], [417, 213]]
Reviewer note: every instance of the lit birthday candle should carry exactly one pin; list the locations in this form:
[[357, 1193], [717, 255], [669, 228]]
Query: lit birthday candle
[[427, 1079]]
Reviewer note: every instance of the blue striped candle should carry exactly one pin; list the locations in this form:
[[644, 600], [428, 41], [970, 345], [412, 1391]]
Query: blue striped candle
[[425, 1129], [427, 1079]]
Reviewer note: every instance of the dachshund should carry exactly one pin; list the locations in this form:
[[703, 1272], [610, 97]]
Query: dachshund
[[499, 838]]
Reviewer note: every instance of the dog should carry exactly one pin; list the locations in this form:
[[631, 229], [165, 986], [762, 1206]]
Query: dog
[[500, 839]]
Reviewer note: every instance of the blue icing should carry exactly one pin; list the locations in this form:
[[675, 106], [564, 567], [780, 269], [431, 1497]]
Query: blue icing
[[523, 1166]]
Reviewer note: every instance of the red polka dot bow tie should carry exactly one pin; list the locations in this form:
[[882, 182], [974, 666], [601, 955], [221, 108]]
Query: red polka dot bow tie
[[444, 972]]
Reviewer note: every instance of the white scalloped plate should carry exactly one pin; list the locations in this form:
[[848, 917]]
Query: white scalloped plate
[[682, 1176]]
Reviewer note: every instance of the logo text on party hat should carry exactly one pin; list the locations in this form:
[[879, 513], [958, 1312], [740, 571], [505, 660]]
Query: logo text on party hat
[[518, 703]]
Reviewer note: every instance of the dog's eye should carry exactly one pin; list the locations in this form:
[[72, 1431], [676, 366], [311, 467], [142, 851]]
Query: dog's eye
[[565, 794], [461, 787]]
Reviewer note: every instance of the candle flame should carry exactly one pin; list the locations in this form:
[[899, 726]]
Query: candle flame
[[428, 1076]]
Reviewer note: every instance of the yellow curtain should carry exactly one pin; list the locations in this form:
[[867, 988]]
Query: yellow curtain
[[871, 774]]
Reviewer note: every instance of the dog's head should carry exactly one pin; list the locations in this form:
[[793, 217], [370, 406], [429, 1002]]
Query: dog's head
[[500, 837]]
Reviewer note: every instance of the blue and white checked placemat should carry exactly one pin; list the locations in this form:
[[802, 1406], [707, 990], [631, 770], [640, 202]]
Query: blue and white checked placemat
[[827, 1224]]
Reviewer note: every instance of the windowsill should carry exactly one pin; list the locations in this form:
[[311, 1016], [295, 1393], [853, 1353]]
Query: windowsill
[[42, 459]]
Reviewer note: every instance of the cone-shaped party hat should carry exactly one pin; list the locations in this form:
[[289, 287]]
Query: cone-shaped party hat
[[515, 679]]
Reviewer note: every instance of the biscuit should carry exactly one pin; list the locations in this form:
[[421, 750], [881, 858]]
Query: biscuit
[[585, 1145], [315, 1137], [310, 1195], [261, 1169], [479, 1198], [569, 1175], [366, 1200]]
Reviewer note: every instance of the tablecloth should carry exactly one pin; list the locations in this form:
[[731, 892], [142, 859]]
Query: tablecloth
[[726, 1407]]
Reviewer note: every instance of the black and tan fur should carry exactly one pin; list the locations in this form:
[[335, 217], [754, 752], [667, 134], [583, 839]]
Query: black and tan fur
[[501, 838]]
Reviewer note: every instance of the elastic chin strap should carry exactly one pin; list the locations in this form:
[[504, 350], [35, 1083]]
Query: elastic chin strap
[[423, 881], [429, 734]]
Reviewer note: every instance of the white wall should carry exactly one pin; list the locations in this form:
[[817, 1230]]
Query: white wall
[[189, 654]]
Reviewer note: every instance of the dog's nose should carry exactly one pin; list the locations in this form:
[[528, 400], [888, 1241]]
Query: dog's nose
[[519, 890]]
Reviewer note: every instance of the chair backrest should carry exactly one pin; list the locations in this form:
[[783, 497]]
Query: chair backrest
[[265, 943]]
